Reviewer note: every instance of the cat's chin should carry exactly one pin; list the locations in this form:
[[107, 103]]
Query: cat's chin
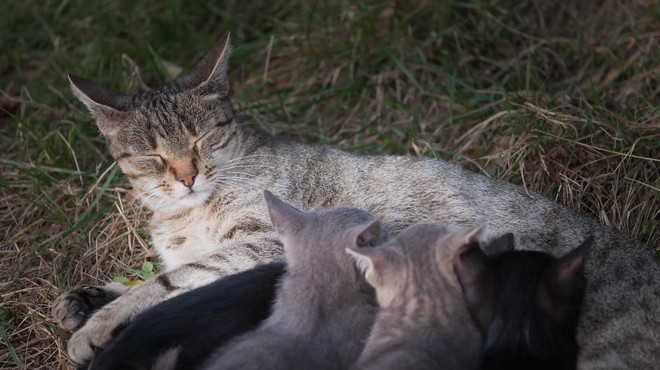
[[193, 199], [174, 205]]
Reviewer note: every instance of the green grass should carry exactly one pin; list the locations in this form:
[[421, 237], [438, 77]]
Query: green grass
[[562, 97]]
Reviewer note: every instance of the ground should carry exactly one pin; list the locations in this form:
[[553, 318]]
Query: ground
[[560, 97]]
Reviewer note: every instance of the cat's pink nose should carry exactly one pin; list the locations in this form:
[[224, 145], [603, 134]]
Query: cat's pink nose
[[187, 180]]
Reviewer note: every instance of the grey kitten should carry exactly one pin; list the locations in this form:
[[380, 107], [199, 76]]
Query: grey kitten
[[201, 172], [324, 307], [423, 322]]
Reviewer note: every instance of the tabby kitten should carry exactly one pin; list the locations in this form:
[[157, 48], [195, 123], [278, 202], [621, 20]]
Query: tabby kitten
[[201, 172], [193, 324], [526, 304], [324, 307], [423, 322]]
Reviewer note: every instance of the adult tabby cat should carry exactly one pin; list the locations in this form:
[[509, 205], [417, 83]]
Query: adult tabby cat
[[201, 172]]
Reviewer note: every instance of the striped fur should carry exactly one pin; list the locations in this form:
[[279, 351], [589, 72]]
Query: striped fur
[[189, 125], [423, 322]]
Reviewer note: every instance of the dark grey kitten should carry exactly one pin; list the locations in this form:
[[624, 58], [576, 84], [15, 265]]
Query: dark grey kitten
[[201, 173], [526, 304], [324, 308]]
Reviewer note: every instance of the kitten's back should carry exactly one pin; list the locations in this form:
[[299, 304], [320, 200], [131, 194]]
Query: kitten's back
[[196, 323], [324, 308], [423, 322]]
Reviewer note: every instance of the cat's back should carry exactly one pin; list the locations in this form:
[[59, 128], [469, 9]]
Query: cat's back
[[403, 191]]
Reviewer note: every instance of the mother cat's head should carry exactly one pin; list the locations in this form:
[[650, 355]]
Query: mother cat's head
[[171, 142]]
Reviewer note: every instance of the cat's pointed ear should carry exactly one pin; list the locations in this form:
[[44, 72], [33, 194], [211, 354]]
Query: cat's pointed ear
[[369, 234], [285, 218], [211, 72], [503, 244], [462, 240], [475, 275], [374, 262], [107, 107], [564, 284], [569, 269]]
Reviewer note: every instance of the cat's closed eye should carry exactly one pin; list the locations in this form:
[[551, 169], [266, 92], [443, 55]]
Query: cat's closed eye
[[152, 163], [198, 143], [157, 157]]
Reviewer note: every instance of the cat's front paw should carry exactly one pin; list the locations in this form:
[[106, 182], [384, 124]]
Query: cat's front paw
[[74, 307], [96, 333]]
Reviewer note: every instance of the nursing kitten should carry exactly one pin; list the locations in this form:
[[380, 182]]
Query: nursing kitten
[[324, 307], [423, 322], [193, 324], [526, 304], [201, 173]]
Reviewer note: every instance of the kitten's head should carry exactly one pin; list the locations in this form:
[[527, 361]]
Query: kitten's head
[[171, 142], [525, 303], [316, 241], [415, 262]]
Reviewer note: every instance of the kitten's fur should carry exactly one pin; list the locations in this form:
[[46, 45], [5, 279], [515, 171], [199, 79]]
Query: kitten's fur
[[222, 227], [324, 307], [195, 323], [526, 304], [423, 322]]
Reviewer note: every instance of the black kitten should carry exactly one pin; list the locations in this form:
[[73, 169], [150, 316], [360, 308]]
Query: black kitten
[[525, 303], [194, 324]]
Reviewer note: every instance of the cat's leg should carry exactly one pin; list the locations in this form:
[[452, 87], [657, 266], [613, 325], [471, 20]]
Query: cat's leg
[[72, 309], [98, 330]]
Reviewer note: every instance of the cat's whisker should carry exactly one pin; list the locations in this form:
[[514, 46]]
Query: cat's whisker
[[243, 165], [243, 172], [252, 156], [239, 174], [236, 181], [249, 158], [146, 195], [261, 161], [144, 198]]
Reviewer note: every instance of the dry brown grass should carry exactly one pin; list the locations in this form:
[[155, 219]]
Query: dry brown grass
[[577, 120]]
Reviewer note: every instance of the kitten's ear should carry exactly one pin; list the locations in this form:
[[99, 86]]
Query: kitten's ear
[[285, 218], [503, 244], [462, 240], [569, 269], [107, 107], [368, 235], [211, 71], [564, 284], [475, 275], [374, 262]]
